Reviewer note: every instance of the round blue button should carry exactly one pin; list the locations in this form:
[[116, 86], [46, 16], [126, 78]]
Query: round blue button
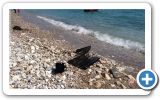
[[147, 79]]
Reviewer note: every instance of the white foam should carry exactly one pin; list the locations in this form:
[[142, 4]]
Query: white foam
[[103, 37]]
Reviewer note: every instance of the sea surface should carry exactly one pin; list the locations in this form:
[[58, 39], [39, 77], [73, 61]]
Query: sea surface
[[121, 27]]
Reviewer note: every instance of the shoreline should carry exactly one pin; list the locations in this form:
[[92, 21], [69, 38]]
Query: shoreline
[[123, 55], [34, 51]]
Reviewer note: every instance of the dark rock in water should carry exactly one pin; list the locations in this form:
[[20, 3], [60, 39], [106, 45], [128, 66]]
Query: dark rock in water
[[83, 50], [83, 62], [59, 68], [90, 10], [116, 74], [17, 28]]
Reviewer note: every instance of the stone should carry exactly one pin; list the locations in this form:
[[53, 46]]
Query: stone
[[32, 62], [120, 84], [102, 61], [48, 60], [16, 78], [29, 67], [14, 64], [33, 49], [107, 77], [98, 76], [63, 77], [121, 68], [113, 85], [99, 65], [26, 57], [90, 83], [131, 81], [62, 86], [89, 71], [23, 75], [23, 34], [98, 84], [48, 73], [37, 47], [124, 87], [116, 74]]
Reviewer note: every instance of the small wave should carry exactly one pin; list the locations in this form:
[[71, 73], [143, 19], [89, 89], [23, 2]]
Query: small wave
[[103, 37]]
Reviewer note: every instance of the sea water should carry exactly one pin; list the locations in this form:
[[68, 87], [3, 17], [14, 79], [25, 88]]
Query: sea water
[[121, 27]]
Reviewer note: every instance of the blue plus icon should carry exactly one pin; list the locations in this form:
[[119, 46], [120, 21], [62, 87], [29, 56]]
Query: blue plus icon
[[147, 79]]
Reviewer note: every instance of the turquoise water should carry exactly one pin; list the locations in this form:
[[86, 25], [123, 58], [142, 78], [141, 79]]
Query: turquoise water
[[123, 27]]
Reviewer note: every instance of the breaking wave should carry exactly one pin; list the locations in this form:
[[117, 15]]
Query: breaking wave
[[101, 36]]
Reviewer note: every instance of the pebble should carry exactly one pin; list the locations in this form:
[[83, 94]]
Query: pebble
[[116, 74], [98, 84], [32, 61], [98, 76], [102, 61], [26, 57], [33, 49], [16, 78], [107, 77], [131, 81], [14, 64]]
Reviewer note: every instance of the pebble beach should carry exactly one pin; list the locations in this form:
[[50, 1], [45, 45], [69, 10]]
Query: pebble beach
[[34, 52]]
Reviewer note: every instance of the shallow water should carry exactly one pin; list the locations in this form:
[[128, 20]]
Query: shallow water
[[118, 27]]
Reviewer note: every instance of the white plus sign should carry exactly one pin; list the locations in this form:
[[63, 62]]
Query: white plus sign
[[147, 79]]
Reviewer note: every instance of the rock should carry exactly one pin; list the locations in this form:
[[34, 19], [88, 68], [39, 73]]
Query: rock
[[99, 65], [19, 59], [48, 73], [33, 49], [14, 64], [31, 39], [23, 34], [26, 57], [107, 77], [124, 87], [63, 77], [32, 62], [37, 47], [130, 69], [16, 78], [98, 84], [113, 85], [47, 60], [62, 86], [120, 84], [89, 71], [116, 74], [114, 62], [98, 76], [102, 61], [29, 67], [90, 83], [23, 75], [131, 81], [121, 68]]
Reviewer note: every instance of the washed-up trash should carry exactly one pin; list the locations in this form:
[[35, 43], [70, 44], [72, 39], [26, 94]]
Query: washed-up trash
[[83, 60], [18, 28], [59, 68], [83, 51]]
